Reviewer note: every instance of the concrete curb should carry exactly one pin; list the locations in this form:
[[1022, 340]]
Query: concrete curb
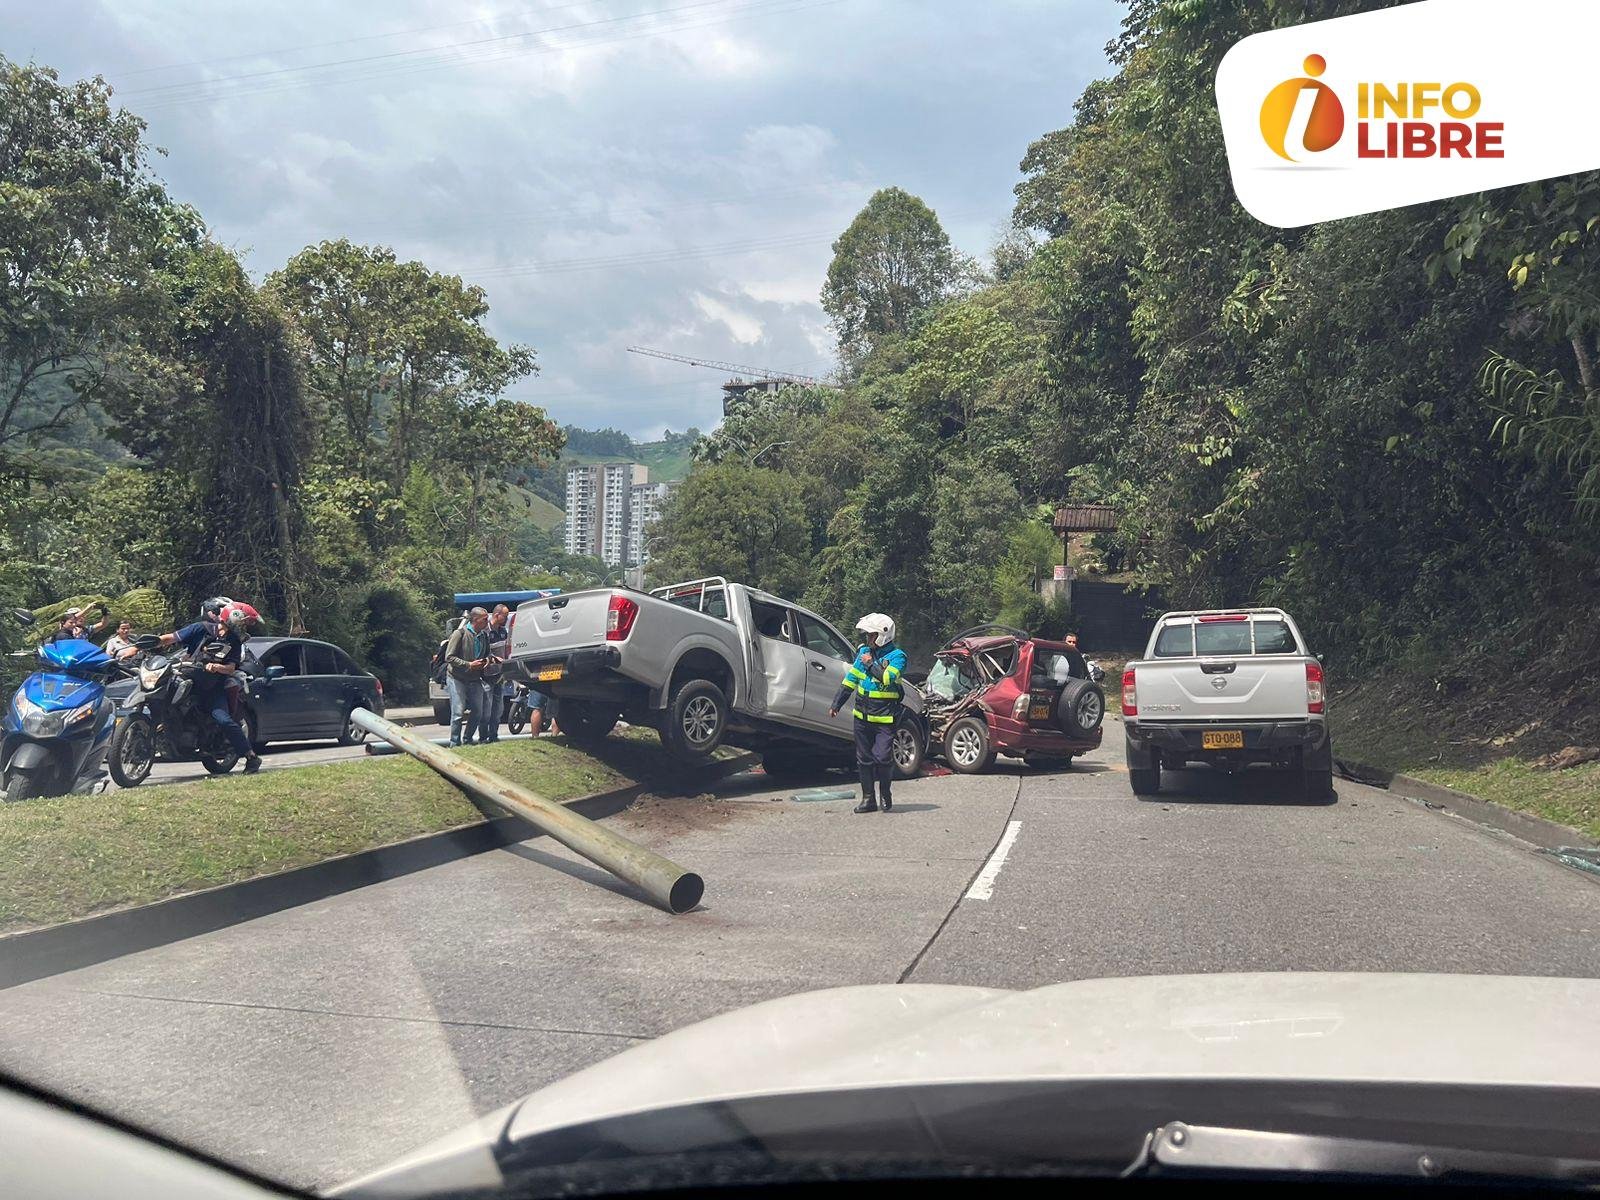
[[409, 716], [37, 953], [1547, 835]]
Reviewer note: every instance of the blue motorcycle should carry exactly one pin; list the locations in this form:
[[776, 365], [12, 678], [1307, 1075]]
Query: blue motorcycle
[[56, 730]]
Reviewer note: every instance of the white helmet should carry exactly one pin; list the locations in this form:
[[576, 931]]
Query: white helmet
[[878, 628]]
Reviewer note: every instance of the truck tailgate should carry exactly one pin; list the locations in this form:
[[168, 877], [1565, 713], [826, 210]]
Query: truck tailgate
[[1222, 689], [557, 624]]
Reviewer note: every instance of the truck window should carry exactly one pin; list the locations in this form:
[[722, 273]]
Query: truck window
[[1222, 637], [713, 601], [1274, 637], [1175, 641], [770, 620], [823, 640]]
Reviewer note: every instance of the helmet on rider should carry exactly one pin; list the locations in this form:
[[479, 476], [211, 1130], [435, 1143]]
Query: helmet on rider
[[876, 629], [211, 610], [240, 617]]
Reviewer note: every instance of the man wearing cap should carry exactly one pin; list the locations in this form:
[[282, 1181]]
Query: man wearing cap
[[874, 679]]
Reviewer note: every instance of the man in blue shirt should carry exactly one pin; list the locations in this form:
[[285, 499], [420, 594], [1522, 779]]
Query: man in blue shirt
[[874, 679], [236, 622]]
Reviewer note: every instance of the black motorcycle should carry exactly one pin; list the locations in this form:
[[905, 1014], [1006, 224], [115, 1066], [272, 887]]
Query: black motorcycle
[[163, 719], [518, 710]]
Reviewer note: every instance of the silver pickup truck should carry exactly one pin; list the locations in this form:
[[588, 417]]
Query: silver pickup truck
[[705, 662], [1228, 688]]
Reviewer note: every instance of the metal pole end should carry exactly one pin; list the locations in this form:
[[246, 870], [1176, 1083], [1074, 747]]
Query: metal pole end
[[686, 892]]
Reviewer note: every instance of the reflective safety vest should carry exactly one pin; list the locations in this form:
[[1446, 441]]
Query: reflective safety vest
[[876, 685]]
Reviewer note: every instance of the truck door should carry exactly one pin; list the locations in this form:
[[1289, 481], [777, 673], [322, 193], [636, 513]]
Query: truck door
[[827, 657], [782, 659]]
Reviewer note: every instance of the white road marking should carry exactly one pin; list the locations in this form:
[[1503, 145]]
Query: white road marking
[[983, 886]]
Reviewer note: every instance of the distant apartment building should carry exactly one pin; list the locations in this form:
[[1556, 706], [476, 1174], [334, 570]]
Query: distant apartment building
[[644, 506], [599, 499]]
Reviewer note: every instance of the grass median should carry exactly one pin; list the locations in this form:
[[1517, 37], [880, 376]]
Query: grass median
[[73, 856]]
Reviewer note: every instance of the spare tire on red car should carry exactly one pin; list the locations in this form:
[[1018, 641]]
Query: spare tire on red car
[[1080, 708]]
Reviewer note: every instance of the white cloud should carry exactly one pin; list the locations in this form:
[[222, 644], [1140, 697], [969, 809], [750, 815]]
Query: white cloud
[[746, 330], [659, 153]]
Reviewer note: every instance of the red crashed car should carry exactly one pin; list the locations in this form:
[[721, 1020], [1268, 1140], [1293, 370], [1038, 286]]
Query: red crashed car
[[996, 690]]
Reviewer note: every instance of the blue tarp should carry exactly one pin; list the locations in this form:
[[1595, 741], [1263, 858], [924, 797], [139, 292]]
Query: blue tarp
[[488, 599]]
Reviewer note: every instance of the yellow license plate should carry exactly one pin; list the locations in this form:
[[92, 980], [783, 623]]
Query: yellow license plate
[[1039, 712], [546, 674], [1222, 739]]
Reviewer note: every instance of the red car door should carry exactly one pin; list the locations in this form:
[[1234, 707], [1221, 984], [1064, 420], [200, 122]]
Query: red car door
[[1002, 696]]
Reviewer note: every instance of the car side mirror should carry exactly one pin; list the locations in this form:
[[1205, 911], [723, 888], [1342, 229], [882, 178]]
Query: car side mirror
[[276, 672]]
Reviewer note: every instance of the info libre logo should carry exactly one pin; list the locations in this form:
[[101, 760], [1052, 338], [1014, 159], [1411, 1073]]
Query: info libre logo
[[1302, 118]]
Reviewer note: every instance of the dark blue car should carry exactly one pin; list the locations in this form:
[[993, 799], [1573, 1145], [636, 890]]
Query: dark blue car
[[301, 690]]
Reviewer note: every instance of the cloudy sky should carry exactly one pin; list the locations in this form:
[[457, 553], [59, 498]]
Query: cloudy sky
[[664, 173]]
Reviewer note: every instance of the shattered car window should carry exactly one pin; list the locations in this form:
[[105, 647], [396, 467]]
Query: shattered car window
[[949, 680]]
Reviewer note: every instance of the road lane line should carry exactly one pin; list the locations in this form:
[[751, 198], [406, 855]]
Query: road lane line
[[983, 886]]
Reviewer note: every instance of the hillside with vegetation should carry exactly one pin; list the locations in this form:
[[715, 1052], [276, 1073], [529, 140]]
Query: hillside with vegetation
[[330, 442], [1388, 425]]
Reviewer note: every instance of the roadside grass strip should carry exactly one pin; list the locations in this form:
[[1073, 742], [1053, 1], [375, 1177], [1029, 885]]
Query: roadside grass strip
[[1483, 761], [73, 856]]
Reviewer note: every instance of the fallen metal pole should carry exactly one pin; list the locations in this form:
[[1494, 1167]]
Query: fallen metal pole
[[664, 881]]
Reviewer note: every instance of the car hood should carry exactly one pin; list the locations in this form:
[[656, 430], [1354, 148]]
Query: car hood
[[1433, 1029]]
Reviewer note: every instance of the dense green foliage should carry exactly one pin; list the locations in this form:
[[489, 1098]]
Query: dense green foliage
[[1390, 425], [331, 445]]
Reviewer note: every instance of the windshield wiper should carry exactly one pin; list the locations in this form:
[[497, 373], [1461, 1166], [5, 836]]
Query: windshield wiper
[[1177, 1148]]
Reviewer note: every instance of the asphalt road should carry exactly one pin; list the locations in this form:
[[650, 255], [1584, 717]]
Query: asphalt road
[[284, 754], [323, 1040]]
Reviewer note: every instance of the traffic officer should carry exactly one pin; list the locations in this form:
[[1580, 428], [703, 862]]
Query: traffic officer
[[874, 678]]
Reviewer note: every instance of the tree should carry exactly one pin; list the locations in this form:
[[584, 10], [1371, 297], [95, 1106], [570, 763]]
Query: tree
[[483, 438], [216, 397], [397, 352], [85, 230], [892, 262], [747, 523]]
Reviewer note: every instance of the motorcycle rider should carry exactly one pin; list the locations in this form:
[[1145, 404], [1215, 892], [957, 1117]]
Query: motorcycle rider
[[874, 677], [234, 622]]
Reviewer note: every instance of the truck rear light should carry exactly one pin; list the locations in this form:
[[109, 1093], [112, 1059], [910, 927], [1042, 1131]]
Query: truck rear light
[[619, 618], [1130, 697], [379, 682], [1223, 617], [1314, 693]]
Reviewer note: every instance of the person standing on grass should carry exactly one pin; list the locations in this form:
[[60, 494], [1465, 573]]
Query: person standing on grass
[[494, 688], [465, 656], [874, 679]]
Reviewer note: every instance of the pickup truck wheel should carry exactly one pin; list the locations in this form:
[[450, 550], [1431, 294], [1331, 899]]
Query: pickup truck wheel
[[908, 749], [695, 721], [1080, 708], [1146, 781], [967, 747], [586, 723]]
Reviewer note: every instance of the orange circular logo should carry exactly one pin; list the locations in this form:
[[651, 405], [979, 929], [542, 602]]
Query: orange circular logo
[[1324, 122]]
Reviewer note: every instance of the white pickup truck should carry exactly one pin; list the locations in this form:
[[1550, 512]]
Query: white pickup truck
[[703, 662], [1229, 688]]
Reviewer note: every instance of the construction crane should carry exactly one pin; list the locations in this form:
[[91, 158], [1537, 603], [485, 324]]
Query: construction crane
[[760, 373]]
